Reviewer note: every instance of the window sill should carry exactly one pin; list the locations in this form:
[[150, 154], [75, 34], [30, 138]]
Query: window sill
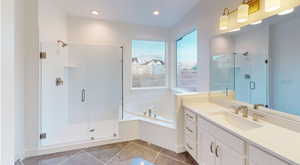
[[151, 89]]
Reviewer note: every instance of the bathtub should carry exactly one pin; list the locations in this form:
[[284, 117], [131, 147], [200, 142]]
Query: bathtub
[[158, 119]]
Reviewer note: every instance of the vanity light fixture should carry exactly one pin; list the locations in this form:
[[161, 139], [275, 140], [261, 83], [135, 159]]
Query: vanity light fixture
[[257, 22], [224, 20], [285, 12], [272, 5], [243, 12]]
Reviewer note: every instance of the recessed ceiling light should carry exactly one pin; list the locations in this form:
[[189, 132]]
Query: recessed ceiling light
[[156, 12], [257, 22], [94, 12], [286, 11]]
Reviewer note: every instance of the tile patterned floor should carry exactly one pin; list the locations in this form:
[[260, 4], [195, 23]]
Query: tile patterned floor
[[127, 153]]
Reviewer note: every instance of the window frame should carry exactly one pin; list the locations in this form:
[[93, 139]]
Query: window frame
[[166, 59], [176, 88]]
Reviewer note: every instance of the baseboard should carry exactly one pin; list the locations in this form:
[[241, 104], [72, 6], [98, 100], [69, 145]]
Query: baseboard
[[69, 147], [180, 148]]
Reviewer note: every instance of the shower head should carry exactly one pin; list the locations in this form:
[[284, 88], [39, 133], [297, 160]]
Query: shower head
[[244, 54], [61, 43]]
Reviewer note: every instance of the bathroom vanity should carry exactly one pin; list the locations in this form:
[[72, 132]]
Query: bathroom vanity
[[215, 135], [257, 65]]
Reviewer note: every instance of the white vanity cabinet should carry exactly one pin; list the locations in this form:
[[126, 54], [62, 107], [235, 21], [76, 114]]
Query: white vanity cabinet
[[210, 144], [217, 147], [259, 157]]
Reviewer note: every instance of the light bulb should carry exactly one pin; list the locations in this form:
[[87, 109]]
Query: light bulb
[[243, 13], [224, 19], [272, 5]]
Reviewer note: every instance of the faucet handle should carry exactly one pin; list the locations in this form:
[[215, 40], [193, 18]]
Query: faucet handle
[[257, 116]]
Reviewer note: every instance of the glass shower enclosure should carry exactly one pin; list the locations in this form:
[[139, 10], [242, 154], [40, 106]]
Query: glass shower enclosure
[[81, 93]]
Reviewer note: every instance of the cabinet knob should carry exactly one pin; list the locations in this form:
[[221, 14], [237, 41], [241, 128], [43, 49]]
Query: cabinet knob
[[191, 131]]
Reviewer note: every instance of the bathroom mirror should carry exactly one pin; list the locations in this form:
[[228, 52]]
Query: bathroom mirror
[[260, 64]]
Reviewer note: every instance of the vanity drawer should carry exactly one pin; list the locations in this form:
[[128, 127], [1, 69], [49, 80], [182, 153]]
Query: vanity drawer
[[190, 131], [190, 146], [190, 126], [259, 157], [221, 135]]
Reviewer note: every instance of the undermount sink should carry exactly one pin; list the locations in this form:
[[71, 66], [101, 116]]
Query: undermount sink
[[235, 121]]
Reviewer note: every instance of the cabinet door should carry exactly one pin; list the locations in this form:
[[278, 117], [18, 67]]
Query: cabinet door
[[227, 156], [259, 157], [206, 148]]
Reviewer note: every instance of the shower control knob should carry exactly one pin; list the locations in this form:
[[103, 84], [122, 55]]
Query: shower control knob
[[92, 130]]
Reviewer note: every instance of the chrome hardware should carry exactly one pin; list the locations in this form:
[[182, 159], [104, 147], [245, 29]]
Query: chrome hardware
[[256, 106], [189, 146], [189, 116], [212, 147], [43, 55], [226, 92], [252, 85], [43, 136], [245, 112], [92, 130], [83, 95], [150, 112], [188, 129], [240, 108], [217, 151], [59, 81], [256, 116]]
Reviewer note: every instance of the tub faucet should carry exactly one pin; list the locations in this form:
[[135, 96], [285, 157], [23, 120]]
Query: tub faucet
[[150, 112]]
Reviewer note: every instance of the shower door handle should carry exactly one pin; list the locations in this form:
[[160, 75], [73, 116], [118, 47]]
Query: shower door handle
[[83, 95], [252, 85]]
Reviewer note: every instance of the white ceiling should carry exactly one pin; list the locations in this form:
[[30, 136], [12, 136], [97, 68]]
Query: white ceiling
[[132, 11]]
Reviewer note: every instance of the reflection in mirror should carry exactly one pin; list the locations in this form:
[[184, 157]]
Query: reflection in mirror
[[260, 64]]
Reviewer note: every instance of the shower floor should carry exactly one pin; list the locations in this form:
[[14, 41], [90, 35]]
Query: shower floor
[[127, 153]]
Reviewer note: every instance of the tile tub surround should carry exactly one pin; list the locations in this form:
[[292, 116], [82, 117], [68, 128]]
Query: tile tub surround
[[127, 153]]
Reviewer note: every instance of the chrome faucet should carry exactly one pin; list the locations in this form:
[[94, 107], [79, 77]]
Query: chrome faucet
[[240, 108], [256, 106], [245, 112], [150, 112]]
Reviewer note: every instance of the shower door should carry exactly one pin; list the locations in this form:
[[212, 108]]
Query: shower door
[[251, 75], [97, 86], [88, 108]]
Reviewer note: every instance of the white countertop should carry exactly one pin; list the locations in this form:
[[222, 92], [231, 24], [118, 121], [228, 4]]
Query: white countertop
[[278, 141]]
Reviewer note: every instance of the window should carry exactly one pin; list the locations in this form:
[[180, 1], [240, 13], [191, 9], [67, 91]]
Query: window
[[148, 64], [187, 59]]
